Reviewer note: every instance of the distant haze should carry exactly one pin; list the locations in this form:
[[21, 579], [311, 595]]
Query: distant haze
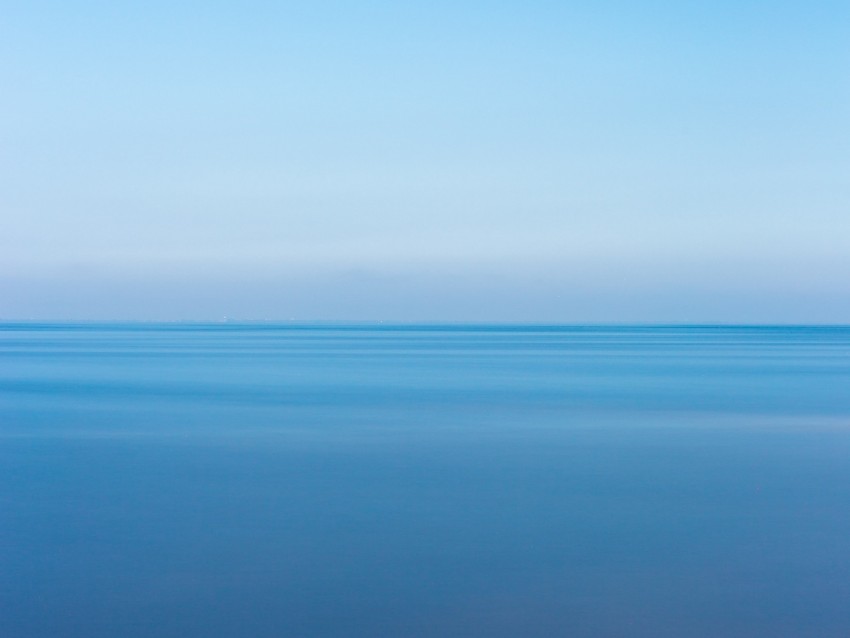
[[449, 161]]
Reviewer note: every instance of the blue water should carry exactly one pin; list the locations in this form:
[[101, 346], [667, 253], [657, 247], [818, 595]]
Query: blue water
[[358, 480]]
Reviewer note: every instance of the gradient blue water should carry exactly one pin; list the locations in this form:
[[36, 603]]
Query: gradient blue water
[[305, 480]]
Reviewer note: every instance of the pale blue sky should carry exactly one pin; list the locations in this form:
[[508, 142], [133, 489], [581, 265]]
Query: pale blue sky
[[534, 161]]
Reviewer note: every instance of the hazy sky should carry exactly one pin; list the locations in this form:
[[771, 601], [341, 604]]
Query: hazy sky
[[534, 161]]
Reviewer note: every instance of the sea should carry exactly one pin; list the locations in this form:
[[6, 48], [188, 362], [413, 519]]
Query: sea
[[252, 480]]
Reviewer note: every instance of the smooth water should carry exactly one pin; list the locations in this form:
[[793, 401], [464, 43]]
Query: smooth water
[[322, 480]]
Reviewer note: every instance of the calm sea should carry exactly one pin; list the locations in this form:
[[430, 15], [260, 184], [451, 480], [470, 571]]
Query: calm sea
[[275, 480]]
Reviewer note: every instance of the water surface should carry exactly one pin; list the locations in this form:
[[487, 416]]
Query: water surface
[[228, 480]]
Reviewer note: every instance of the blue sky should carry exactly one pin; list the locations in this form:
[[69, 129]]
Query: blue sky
[[535, 161]]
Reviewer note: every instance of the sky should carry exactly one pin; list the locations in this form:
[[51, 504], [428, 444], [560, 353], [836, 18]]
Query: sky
[[537, 161]]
